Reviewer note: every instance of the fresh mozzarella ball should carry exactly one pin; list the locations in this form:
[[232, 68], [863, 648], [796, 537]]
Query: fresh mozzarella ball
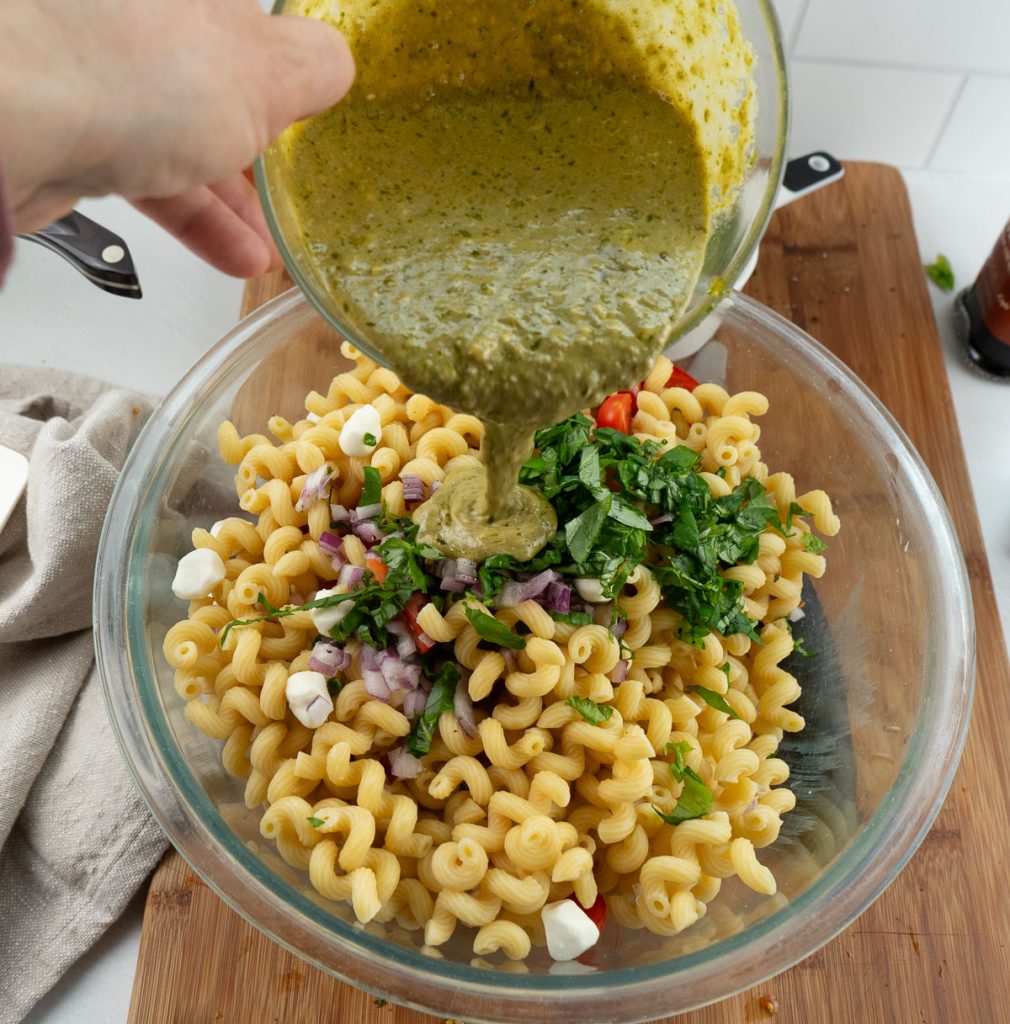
[[308, 698], [324, 619], [352, 436], [198, 573], [569, 930], [591, 591]]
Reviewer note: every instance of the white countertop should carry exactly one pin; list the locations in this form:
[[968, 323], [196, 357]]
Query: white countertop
[[50, 316]]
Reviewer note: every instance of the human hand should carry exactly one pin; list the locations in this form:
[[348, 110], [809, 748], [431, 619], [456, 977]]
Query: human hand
[[164, 103]]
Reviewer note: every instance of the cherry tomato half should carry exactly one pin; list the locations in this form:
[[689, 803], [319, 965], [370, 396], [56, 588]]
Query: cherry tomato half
[[376, 566], [681, 379], [414, 605], [597, 913], [615, 412]]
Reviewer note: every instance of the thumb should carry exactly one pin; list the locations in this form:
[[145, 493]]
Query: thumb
[[310, 68]]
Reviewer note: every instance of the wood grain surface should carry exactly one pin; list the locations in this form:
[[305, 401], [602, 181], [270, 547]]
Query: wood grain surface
[[843, 264]]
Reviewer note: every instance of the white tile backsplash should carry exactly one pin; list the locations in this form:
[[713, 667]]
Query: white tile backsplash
[[976, 138], [861, 113], [919, 83], [969, 35]]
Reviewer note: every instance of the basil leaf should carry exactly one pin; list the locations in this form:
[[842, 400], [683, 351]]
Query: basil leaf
[[590, 473], [629, 515], [714, 700], [371, 489], [813, 544], [795, 509], [316, 822], [489, 628], [941, 273], [440, 700], [695, 801], [593, 713], [370, 440], [581, 532]]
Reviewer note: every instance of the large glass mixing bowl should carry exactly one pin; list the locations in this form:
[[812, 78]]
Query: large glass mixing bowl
[[886, 699], [734, 238]]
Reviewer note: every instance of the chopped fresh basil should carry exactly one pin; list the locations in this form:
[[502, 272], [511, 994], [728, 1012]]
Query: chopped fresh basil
[[677, 765], [371, 489], [316, 822], [714, 700], [695, 801], [573, 618], [440, 700], [795, 509], [813, 544], [333, 686], [941, 273], [369, 439], [592, 712], [800, 648], [495, 632]]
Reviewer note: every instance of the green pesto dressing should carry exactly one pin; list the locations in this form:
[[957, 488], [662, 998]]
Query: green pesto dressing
[[512, 206]]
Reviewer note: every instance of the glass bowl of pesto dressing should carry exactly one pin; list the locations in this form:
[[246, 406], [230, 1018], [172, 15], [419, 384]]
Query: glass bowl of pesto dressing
[[887, 699], [520, 199]]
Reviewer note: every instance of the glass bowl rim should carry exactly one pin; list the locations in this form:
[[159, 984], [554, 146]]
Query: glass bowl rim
[[191, 820]]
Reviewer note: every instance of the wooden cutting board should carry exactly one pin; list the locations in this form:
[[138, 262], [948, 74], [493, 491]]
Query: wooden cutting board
[[844, 265]]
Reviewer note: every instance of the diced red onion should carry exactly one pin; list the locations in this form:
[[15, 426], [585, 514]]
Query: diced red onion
[[328, 659], [330, 542], [369, 532], [405, 646], [338, 561], [446, 568], [371, 674], [363, 512], [312, 489], [413, 703], [620, 672], [463, 707], [413, 487], [403, 765], [375, 684], [435, 484], [424, 640], [398, 673], [350, 576], [602, 613], [466, 570], [338, 513], [557, 597], [453, 585], [514, 592], [619, 628]]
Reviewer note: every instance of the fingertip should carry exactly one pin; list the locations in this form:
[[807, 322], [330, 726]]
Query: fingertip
[[320, 64]]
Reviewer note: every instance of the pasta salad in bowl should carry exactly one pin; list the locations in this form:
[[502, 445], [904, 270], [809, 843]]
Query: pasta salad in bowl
[[669, 755]]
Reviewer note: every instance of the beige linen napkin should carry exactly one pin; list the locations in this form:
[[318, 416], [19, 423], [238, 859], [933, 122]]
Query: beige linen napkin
[[76, 838]]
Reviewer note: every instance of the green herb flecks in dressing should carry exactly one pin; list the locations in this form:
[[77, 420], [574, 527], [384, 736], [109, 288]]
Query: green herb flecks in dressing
[[512, 206]]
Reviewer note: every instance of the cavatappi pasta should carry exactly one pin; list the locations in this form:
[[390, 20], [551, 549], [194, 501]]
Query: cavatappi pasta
[[538, 803]]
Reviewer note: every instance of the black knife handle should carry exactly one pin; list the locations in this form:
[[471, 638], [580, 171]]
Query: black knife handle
[[98, 253]]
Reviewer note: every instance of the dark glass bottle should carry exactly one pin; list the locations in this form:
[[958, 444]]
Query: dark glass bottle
[[983, 312]]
